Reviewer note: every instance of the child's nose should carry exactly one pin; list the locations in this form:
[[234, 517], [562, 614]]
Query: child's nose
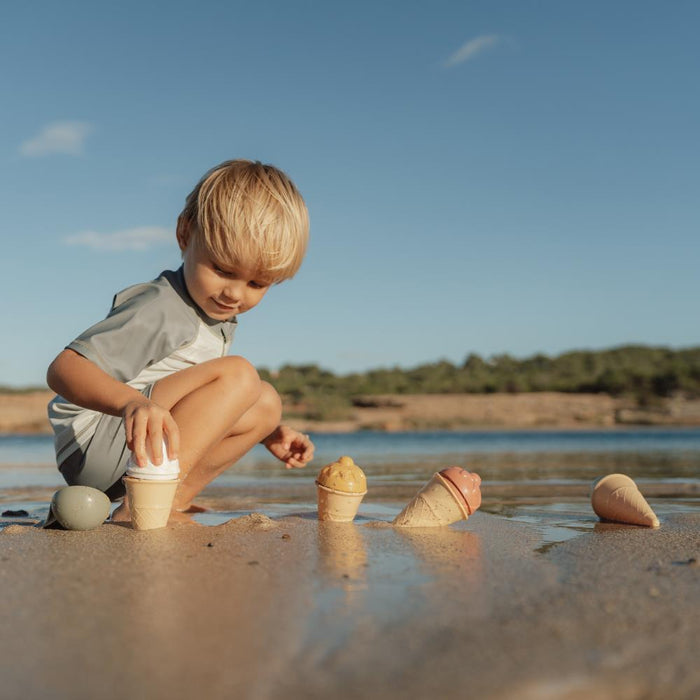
[[233, 290]]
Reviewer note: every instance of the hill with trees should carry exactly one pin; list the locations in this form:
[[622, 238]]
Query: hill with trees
[[641, 373], [630, 385]]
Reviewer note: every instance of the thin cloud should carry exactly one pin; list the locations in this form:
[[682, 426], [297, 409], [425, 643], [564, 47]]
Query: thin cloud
[[472, 48], [67, 138], [140, 238]]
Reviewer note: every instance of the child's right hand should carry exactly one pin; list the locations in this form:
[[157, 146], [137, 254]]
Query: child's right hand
[[147, 422]]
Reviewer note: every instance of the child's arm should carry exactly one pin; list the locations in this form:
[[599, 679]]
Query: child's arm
[[83, 383], [290, 446]]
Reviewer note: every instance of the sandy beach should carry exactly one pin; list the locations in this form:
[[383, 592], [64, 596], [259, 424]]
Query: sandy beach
[[290, 608], [26, 412]]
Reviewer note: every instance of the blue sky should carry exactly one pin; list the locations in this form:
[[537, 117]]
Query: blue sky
[[483, 177]]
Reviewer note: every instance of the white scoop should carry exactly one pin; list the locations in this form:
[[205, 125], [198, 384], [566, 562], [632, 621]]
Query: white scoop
[[167, 470]]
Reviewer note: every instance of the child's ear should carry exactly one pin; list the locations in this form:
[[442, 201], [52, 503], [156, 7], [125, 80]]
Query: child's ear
[[183, 232]]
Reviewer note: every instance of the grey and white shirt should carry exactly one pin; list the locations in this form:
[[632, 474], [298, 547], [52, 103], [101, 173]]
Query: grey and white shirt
[[152, 330]]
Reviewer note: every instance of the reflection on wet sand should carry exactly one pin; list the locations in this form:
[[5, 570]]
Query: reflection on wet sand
[[438, 552], [443, 550], [343, 554]]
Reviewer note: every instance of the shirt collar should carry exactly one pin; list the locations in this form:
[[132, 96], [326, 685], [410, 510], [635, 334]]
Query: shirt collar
[[177, 280]]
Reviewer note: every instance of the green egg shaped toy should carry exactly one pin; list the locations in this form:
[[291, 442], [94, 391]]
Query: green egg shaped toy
[[80, 507]]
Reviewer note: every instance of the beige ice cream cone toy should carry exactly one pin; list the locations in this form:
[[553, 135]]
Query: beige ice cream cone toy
[[452, 494], [341, 486], [151, 490], [616, 497]]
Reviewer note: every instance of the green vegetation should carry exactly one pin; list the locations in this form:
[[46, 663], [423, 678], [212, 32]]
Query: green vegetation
[[643, 374], [21, 389], [640, 372]]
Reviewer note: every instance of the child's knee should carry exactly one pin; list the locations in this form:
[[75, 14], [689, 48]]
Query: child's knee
[[269, 406], [241, 376]]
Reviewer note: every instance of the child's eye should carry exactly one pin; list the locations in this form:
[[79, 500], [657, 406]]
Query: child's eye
[[224, 273], [257, 285]]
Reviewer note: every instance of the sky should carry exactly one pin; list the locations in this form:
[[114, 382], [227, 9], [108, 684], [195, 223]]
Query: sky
[[482, 177]]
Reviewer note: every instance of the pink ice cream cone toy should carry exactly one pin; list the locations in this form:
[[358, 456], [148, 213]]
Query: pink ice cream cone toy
[[452, 494]]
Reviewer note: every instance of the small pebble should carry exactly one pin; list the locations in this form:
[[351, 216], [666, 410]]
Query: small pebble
[[286, 536], [253, 563], [692, 561], [210, 544]]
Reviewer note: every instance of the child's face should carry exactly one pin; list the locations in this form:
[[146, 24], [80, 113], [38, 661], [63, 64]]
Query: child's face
[[220, 292]]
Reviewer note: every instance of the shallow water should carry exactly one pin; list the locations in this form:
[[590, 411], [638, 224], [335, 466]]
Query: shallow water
[[540, 478], [656, 451]]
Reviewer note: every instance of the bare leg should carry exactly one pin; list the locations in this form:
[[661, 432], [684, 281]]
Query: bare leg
[[222, 410], [257, 423]]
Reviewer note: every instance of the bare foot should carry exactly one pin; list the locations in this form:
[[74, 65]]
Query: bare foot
[[179, 518], [192, 508], [121, 514]]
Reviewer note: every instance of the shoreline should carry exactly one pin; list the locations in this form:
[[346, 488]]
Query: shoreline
[[26, 413], [323, 428], [291, 607]]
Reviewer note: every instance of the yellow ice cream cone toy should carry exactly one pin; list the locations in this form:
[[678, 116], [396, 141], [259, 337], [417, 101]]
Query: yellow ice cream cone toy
[[340, 487]]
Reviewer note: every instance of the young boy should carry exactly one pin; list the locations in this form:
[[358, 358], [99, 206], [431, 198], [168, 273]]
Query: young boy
[[157, 366]]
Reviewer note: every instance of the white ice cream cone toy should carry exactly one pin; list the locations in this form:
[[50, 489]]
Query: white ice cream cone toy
[[340, 487], [452, 494], [616, 497], [150, 491], [150, 502]]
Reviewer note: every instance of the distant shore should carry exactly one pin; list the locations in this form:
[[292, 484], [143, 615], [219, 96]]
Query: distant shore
[[26, 412]]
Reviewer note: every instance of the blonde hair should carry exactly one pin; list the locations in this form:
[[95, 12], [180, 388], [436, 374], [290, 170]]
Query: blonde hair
[[248, 213]]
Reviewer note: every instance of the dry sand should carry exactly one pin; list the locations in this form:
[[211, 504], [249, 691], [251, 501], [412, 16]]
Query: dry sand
[[294, 608], [26, 412]]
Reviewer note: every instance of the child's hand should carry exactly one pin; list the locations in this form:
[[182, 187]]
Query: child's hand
[[146, 421], [289, 446]]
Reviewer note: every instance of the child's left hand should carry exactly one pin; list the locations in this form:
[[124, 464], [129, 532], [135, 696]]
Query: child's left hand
[[290, 446]]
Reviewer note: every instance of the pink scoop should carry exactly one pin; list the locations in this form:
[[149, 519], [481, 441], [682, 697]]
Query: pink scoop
[[466, 483]]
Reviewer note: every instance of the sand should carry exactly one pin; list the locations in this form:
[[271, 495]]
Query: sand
[[26, 413], [294, 608]]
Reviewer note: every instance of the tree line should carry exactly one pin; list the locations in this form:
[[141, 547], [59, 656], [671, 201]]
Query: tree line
[[641, 372]]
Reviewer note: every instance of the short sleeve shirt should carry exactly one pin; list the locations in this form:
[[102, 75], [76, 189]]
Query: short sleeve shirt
[[151, 331]]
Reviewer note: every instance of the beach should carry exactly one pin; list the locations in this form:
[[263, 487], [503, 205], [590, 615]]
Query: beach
[[531, 597], [290, 607]]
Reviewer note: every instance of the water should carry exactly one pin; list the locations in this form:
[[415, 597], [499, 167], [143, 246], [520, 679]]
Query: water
[[502, 455], [538, 477]]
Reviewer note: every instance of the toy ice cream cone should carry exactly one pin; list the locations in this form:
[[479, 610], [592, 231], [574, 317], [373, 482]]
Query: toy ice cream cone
[[151, 489], [341, 486], [452, 494], [616, 497], [150, 501]]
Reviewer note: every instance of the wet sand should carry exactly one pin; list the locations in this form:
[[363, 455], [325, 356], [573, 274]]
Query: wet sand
[[290, 607]]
